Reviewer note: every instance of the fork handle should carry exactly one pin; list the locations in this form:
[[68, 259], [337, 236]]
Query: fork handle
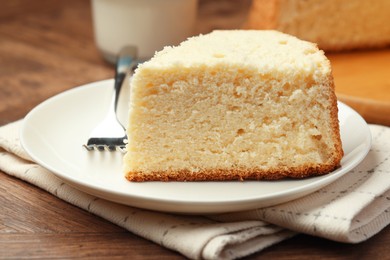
[[125, 63]]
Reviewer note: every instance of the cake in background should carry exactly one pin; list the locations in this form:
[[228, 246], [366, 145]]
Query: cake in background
[[233, 105], [334, 25]]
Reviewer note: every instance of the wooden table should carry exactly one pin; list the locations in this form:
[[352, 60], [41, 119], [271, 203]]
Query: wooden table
[[46, 47]]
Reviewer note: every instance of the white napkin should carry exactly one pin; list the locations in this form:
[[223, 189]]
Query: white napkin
[[351, 210]]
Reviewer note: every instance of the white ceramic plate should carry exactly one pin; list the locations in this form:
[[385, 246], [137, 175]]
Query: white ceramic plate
[[54, 131]]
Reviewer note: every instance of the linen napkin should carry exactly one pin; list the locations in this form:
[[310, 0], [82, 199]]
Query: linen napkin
[[350, 210]]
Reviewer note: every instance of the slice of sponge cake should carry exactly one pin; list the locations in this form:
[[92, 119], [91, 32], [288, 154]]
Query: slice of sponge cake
[[233, 105]]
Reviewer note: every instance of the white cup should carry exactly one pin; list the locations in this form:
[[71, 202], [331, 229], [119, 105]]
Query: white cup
[[147, 24]]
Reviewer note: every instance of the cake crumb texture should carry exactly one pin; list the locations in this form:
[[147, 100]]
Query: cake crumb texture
[[233, 105]]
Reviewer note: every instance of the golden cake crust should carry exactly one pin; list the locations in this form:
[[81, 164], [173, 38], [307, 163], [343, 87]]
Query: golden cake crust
[[233, 174]]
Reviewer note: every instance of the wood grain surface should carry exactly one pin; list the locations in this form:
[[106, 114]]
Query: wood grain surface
[[46, 47]]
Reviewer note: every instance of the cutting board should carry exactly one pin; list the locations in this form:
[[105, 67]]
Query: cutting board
[[362, 80]]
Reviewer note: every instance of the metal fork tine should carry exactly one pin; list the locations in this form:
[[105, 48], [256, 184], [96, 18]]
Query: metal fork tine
[[109, 148]]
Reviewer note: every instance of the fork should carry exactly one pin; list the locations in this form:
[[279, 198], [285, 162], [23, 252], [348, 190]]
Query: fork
[[109, 134]]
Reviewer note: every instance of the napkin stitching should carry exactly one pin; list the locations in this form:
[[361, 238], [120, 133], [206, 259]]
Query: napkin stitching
[[175, 226], [58, 187], [132, 213], [306, 214], [339, 193], [30, 168], [347, 190], [380, 133], [368, 173], [365, 234], [344, 191], [8, 145], [90, 203], [170, 228]]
